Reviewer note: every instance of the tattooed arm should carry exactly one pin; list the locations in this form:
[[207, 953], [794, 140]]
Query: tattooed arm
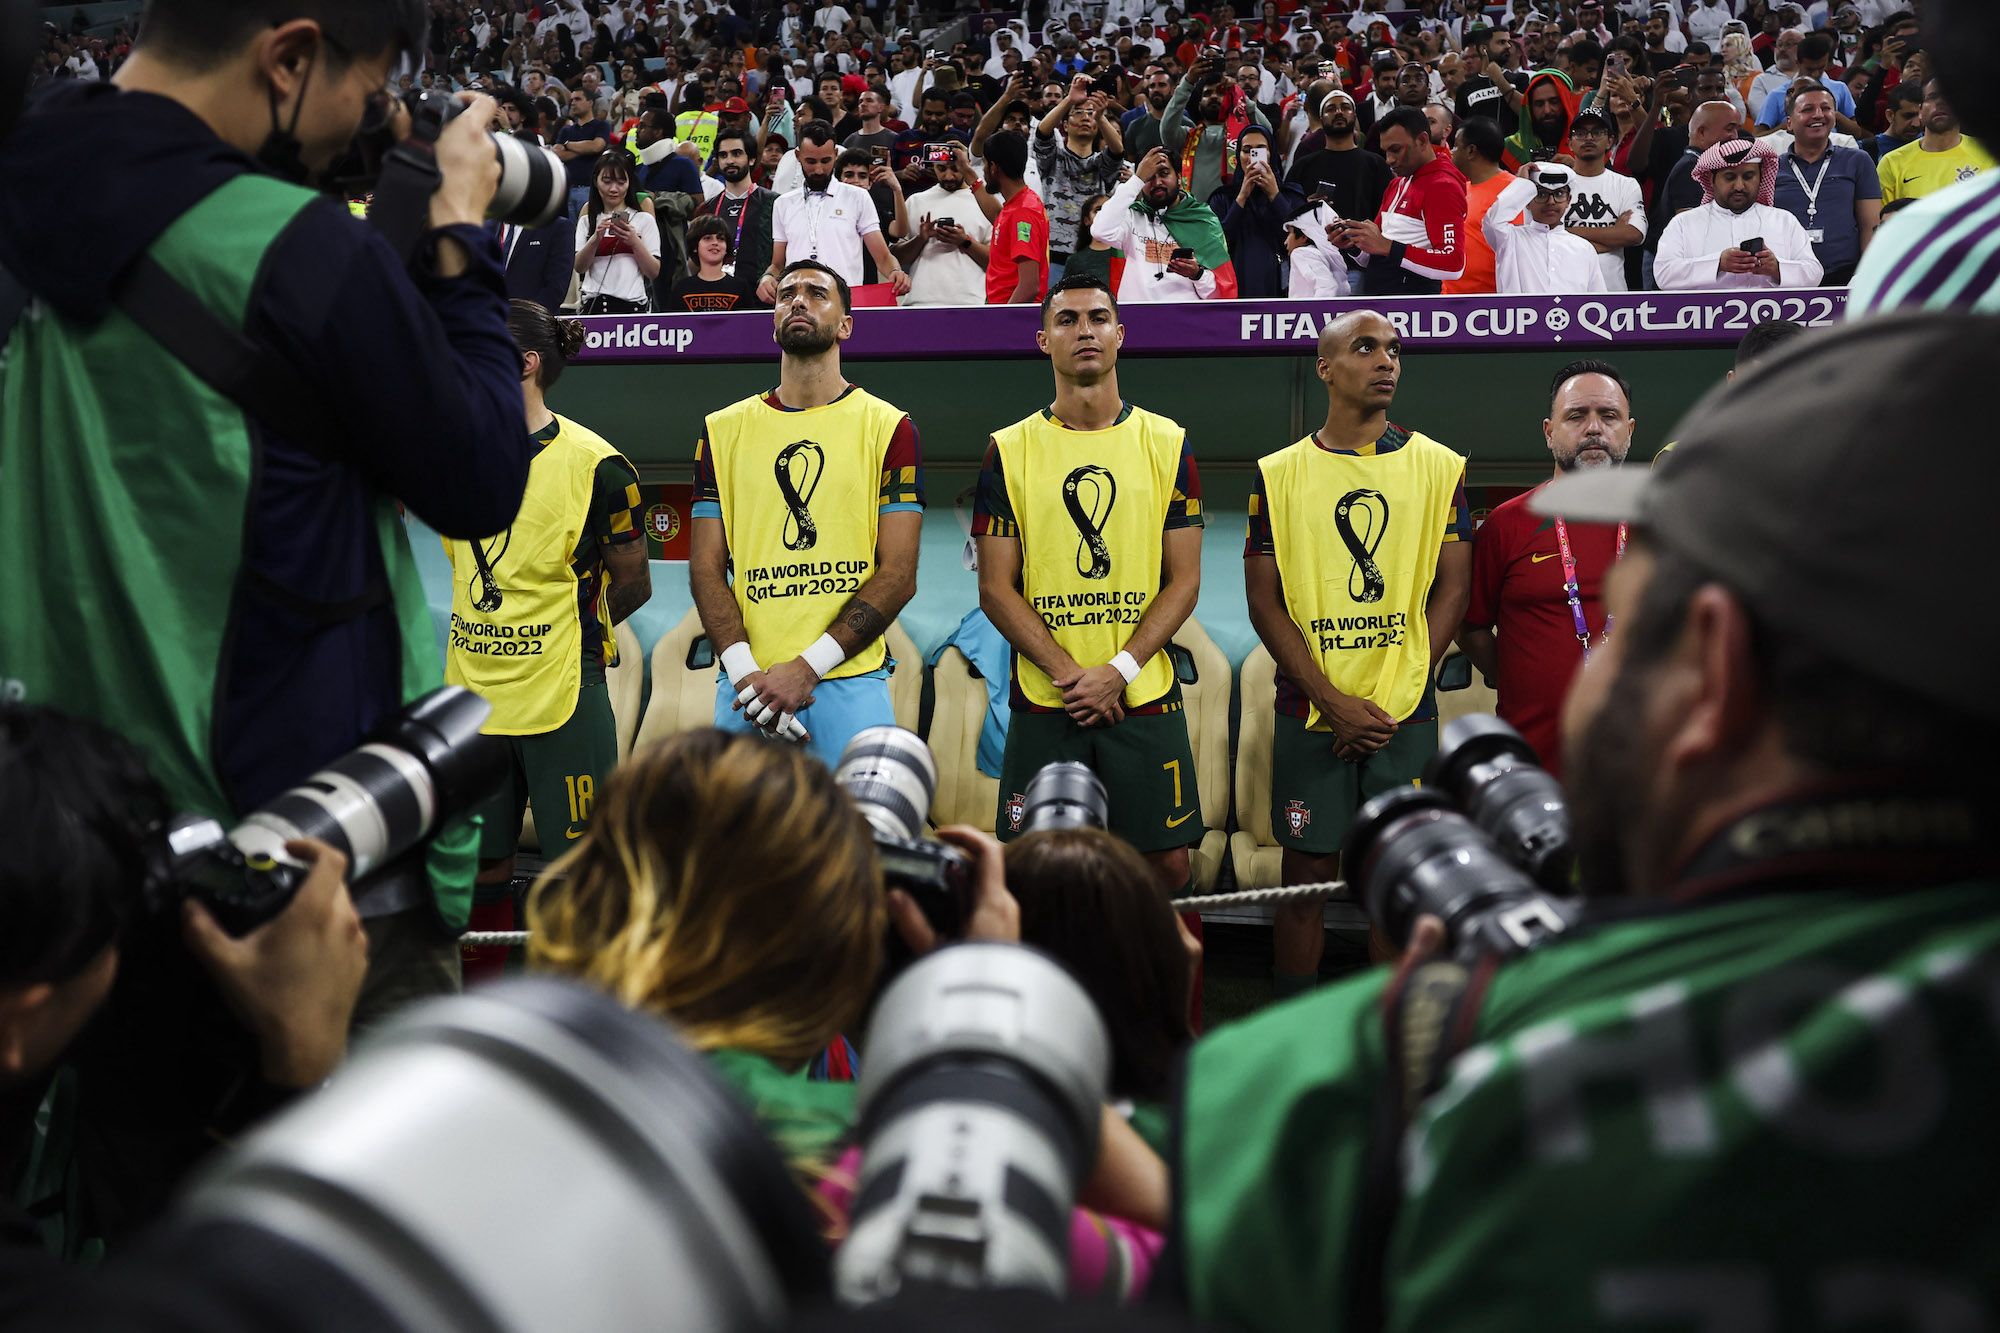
[[867, 614]]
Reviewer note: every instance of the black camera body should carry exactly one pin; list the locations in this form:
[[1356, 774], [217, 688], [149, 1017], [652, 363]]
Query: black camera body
[[1484, 845]]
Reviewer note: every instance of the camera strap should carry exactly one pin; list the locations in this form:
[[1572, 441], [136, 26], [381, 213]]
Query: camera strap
[[219, 356], [1428, 1017]]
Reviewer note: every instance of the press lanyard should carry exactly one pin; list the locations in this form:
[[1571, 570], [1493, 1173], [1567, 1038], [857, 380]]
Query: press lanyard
[[1574, 593], [812, 237], [737, 247], [1812, 191]]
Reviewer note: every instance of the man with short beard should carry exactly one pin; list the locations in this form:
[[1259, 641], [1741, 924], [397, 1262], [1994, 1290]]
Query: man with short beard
[[1350, 176], [1548, 107], [1141, 125], [947, 251], [1219, 110], [743, 205], [1782, 813], [1536, 611], [815, 493], [1173, 243], [827, 220], [1943, 157], [1706, 248]]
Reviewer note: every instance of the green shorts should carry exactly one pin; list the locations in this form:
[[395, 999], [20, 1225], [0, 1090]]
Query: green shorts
[[1314, 796], [1145, 763], [561, 771]]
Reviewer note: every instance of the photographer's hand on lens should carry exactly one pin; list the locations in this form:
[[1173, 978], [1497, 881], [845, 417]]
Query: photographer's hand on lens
[[995, 915], [293, 981], [471, 173]]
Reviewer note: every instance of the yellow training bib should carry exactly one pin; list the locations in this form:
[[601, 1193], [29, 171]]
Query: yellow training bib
[[1090, 506], [516, 637], [1357, 541], [800, 494]]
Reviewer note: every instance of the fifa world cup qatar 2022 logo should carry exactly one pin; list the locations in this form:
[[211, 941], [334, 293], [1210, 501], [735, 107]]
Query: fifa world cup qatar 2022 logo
[[798, 470], [1089, 494]]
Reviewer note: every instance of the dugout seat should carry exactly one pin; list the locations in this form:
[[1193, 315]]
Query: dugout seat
[[906, 678], [1203, 670], [1254, 853], [683, 672], [958, 714], [1462, 690], [626, 684]]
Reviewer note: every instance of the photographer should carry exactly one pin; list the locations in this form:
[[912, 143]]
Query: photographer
[[241, 652], [731, 886], [74, 915], [1776, 1003]]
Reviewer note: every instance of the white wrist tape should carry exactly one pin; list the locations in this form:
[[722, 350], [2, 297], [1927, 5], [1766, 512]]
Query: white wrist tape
[[1127, 666], [738, 663], [824, 655]]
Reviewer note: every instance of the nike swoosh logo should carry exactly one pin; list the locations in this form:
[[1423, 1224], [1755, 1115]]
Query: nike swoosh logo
[[572, 833], [1176, 823], [1537, 559]]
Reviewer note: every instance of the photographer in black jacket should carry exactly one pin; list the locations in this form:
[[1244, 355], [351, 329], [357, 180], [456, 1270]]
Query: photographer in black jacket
[[230, 586], [82, 815]]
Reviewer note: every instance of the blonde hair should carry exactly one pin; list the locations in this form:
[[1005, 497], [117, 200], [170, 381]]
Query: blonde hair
[[727, 883], [1739, 58]]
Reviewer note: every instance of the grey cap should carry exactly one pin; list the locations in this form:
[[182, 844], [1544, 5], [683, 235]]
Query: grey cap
[[1843, 488]]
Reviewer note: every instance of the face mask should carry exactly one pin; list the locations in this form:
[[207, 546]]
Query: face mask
[[281, 153]]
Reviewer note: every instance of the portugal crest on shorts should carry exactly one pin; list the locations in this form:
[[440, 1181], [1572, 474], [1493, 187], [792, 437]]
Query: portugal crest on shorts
[[1016, 806], [1297, 817]]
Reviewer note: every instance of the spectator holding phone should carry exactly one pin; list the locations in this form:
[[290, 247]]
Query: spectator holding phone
[[1254, 206], [617, 245], [1173, 243], [1085, 161], [1737, 238], [947, 250], [1417, 242]]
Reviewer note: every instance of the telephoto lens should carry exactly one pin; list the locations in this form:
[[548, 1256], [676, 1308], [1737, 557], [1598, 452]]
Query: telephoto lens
[[1064, 795], [374, 803], [980, 1097], [530, 1156], [891, 777], [1491, 771], [1410, 853], [533, 186]]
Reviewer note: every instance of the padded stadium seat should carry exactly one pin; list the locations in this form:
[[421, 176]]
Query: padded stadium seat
[[683, 682], [958, 713], [906, 681], [1477, 697], [1253, 851], [1207, 700]]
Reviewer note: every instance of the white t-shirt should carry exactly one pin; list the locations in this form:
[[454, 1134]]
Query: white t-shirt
[[944, 274], [617, 275], [1605, 200], [829, 227], [831, 19]]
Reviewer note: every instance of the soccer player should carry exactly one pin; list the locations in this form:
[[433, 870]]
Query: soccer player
[[1535, 580], [532, 610], [815, 492], [1088, 518], [1357, 570]]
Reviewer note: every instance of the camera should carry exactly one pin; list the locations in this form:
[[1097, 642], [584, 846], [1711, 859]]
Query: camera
[[1484, 845], [403, 176], [891, 777], [428, 765], [980, 1099], [402, 1187]]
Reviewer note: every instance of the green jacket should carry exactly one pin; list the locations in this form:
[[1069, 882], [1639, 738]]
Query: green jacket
[[1775, 1109], [131, 626]]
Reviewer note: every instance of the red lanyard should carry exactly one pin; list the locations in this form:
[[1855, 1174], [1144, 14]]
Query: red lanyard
[[1574, 593]]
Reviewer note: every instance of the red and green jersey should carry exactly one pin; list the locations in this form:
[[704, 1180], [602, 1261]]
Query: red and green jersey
[[1773, 1112]]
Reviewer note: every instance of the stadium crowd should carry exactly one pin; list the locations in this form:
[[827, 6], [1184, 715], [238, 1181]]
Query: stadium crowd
[[1303, 150], [1747, 1084]]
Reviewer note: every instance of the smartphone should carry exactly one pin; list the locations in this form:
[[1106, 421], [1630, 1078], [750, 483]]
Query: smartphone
[[880, 153], [1755, 245], [937, 154], [1544, 155], [1181, 252], [1258, 155], [1619, 63], [1327, 69], [1106, 84]]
